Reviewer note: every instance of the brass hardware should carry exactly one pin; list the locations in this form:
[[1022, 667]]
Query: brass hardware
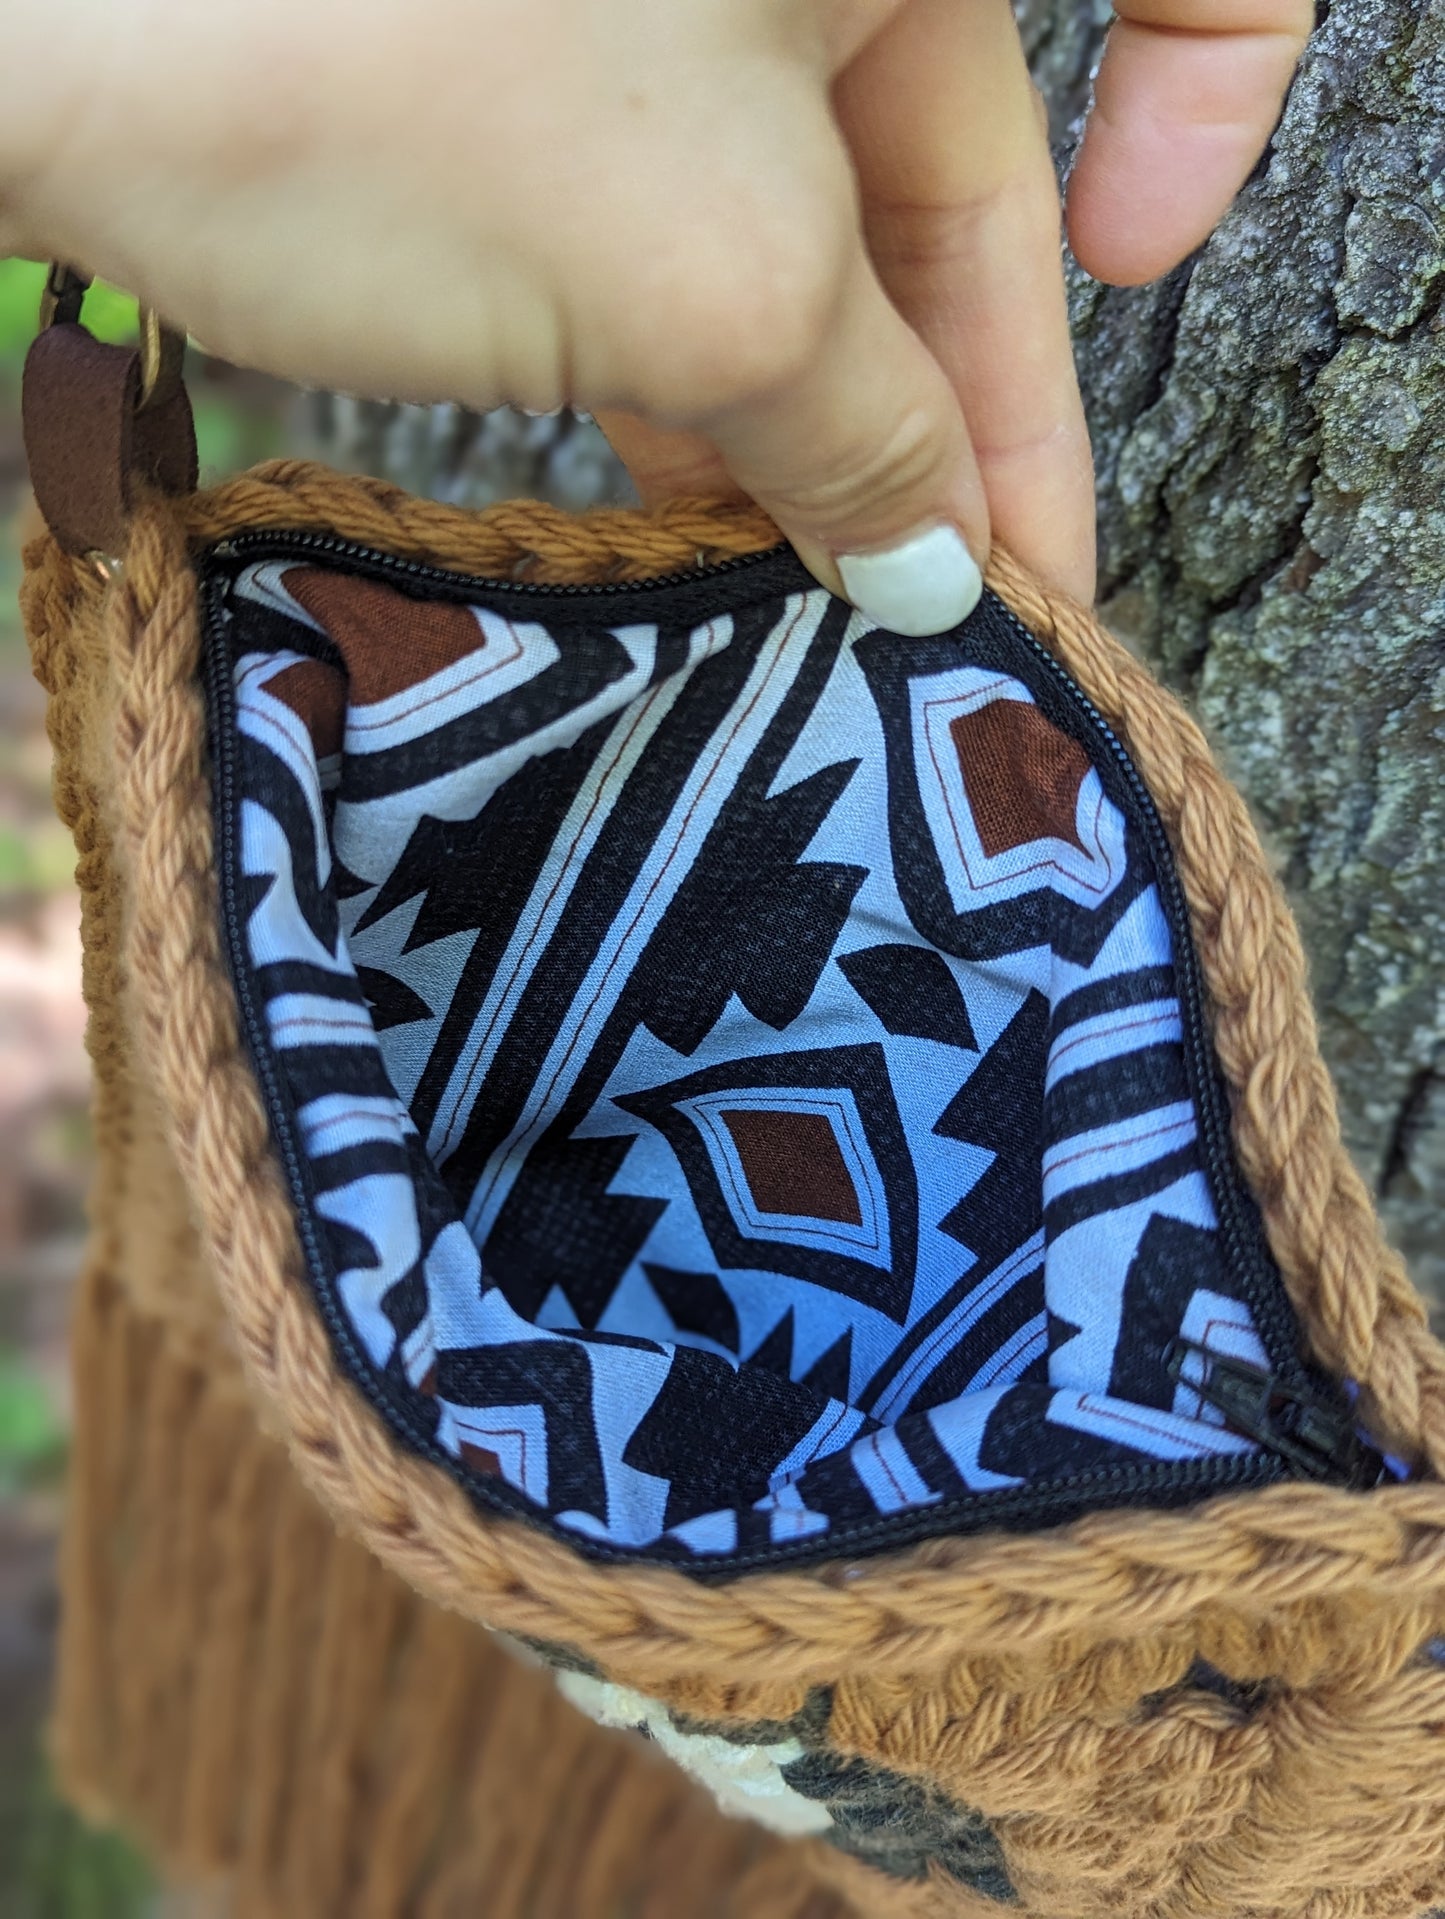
[[64, 291], [162, 361]]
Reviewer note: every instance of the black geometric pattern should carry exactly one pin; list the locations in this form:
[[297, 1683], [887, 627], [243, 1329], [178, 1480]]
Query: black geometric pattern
[[1173, 1266], [697, 1303], [1001, 1106], [912, 991], [561, 1227], [392, 1001], [736, 1058], [740, 1424], [869, 1255]]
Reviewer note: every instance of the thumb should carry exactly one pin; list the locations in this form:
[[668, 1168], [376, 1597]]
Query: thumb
[[862, 457]]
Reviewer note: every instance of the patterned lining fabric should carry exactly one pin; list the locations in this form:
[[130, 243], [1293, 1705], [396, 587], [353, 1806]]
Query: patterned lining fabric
[[737, 1061]]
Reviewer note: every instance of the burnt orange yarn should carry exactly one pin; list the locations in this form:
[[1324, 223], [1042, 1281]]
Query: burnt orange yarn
[[1022, 1674]]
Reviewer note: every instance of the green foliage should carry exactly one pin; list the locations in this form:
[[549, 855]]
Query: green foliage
[[230, 435], [109, 314], [67, 1870], [31, 1437], [52, 1865], [33, 860]]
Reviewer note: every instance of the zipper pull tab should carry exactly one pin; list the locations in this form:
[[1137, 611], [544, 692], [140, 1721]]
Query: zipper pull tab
[[1313, 1434]]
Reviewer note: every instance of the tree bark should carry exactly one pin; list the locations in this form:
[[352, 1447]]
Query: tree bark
[[1062, 39], [468, 459], [1269, 432]]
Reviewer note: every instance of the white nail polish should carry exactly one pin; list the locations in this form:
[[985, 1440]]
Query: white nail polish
[[926, 584]]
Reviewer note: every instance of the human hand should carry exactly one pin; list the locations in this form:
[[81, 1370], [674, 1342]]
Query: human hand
[[804, 249]]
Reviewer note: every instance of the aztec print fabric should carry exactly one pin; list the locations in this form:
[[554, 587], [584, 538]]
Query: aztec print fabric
[[736, 1060]]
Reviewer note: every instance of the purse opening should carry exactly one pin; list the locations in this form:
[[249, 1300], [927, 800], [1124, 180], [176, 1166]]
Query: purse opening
[[742, 1074]]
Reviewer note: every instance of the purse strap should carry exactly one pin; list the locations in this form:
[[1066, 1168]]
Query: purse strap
[[102, 423]]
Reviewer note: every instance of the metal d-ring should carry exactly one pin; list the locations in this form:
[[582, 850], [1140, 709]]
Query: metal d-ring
[[162, 348]]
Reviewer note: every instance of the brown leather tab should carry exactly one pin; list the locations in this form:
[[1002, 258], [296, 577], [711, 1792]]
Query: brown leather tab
[[88, 446]]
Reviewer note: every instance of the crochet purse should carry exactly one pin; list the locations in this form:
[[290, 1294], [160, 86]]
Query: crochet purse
[[782, 1170]]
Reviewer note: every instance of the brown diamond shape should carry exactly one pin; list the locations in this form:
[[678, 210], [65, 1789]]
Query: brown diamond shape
[[389, 642], [793, 1164], [316, 694], [1022, 775]]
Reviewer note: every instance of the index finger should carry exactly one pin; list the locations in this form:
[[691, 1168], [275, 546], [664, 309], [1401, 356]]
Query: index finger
[[961, 214], [1186, 98]]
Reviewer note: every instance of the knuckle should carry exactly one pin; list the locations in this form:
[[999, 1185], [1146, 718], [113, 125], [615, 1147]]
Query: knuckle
[[741, 320], [876, 479]]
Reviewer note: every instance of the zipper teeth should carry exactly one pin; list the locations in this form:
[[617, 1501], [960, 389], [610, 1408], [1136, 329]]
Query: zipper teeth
[[222, 696], [243, 544], [1241, 1235], [1039, 1499]]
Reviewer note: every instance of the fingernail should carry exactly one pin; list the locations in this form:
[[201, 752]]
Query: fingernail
[[925, 584]]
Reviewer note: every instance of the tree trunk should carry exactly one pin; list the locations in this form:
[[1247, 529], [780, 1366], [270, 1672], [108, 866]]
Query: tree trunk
[[1269, 431], [469, 459]]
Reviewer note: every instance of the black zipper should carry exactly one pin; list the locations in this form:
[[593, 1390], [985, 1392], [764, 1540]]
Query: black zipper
[[242, 546], [1314, 1434], [1298, 1417]]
